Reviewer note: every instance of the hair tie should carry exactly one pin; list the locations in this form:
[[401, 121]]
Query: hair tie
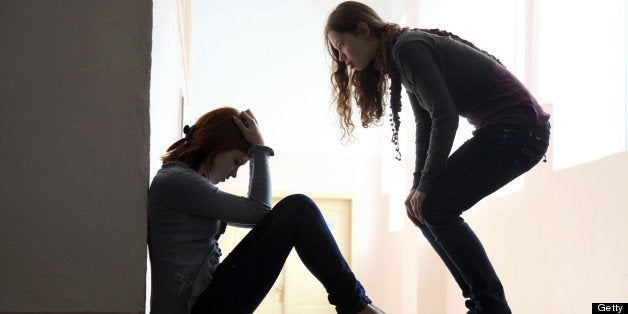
[[188, 130]]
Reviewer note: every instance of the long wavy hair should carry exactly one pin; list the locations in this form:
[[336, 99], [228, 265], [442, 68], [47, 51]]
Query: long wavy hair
[[369, 87], [212, 133]]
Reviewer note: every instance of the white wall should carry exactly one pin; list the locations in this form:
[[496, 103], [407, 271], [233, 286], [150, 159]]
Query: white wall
[[270, 56], [74, 133], [168, 85]]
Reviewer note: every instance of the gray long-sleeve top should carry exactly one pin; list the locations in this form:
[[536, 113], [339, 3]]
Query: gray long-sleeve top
[[446, 79], [185, 215]]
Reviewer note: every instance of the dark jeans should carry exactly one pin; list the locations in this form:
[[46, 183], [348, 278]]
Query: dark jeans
[[244, 278], [495, 155]]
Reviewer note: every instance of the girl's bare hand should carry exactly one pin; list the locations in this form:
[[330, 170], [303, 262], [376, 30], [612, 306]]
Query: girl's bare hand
[[414, 206], [247, 123]]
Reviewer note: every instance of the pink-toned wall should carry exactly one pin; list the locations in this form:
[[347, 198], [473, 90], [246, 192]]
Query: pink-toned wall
[[559, 244]]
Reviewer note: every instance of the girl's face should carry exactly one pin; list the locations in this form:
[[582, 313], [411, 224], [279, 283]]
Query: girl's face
[[357, 51], [224, 166]]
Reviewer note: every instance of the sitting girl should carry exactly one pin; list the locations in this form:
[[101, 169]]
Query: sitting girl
[[187, 213]]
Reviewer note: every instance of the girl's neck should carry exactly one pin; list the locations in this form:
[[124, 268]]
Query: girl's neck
[[383, 62]]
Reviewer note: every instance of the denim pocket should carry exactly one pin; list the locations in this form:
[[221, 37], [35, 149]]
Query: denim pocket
[[497, 134], [532, 151]]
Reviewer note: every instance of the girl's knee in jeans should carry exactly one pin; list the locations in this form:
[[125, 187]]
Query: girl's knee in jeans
[[437, 212], [297, 198], [430, 210], [298, 202]]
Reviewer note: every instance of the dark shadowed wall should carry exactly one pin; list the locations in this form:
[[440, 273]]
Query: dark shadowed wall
[[74, 163]]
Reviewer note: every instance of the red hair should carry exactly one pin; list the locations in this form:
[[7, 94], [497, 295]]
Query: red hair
[[212, 133]]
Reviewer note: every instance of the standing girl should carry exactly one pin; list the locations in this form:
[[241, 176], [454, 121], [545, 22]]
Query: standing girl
[[445, 77], [187, 213]]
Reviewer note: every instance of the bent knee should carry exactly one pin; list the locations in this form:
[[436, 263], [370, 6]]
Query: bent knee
[[437, 211], [298, 198], [429, 212], [299, 201]]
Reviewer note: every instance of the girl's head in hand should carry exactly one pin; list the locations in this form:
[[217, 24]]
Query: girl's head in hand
[[214, 146]]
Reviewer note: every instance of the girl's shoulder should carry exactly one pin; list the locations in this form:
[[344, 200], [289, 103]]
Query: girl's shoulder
[[177, 182], [175, 173], [417, 37], [414, 35], [412, 42]]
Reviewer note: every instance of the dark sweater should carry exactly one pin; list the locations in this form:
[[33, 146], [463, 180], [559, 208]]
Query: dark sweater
[[446, 79], [185, 214]]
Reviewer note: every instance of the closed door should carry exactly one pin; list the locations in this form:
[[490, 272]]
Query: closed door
[[296, 290]]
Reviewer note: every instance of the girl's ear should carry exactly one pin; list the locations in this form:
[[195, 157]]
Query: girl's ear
[[363, 29]]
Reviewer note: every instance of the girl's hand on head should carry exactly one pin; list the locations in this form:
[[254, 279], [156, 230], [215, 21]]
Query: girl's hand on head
[[247, 123]]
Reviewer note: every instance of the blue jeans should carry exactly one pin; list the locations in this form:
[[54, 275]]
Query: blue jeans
[[244, 278], [495, 155]]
